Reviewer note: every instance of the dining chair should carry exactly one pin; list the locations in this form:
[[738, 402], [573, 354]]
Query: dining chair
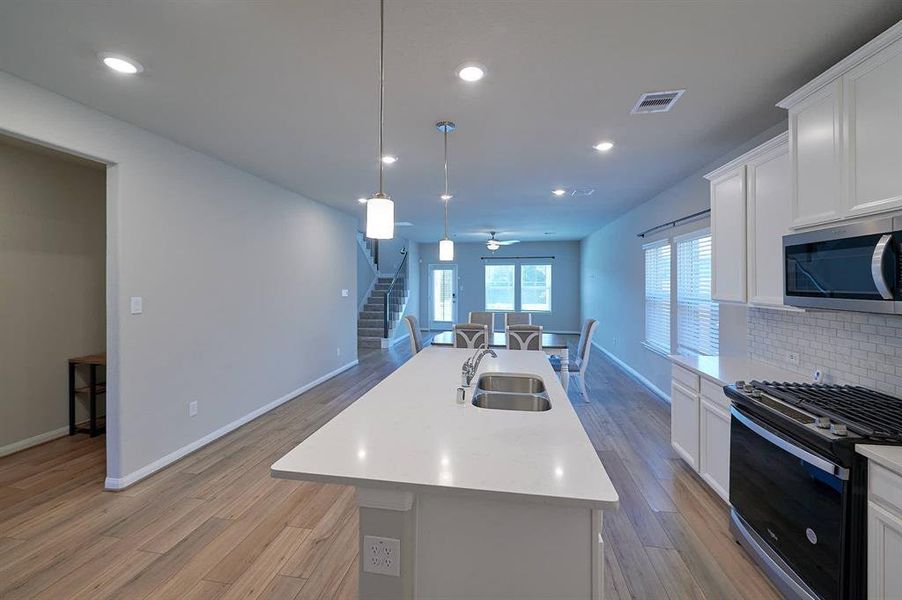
[[485, 318], [471, 335], [579, 364], [517, 318], [524, 337], [416, 340]]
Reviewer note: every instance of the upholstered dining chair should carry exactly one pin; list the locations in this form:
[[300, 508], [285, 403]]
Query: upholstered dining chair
[[416, 340], [471, 335], [517, 318], [579, 364], [485, 318], [524, 337]]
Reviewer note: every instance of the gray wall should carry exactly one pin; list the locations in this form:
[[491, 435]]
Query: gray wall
[[52, 270], [565, 279], [612, 274], [241, 281]]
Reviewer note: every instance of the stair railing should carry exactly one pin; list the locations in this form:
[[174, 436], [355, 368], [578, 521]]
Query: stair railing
[[394, 291]]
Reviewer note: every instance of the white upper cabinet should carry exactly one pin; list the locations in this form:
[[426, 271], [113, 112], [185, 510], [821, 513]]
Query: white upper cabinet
[[728, 236], [873, 96], [751, 211], [815, 127], [846, 136], [769, 201]]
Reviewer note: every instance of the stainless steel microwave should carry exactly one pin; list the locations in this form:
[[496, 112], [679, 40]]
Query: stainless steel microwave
[[848, 267]]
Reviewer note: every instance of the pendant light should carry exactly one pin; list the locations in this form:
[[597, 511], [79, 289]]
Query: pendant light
[[380, 210], [446, 244]]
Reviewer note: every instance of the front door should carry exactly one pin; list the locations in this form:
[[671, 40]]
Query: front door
[[442, 296]]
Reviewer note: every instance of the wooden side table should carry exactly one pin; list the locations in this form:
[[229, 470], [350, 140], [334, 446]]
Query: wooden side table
[[93, 389]]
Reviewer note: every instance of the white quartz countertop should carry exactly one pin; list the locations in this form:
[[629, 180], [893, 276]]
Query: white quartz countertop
[[888, 456], [729, 369], [408, 433]]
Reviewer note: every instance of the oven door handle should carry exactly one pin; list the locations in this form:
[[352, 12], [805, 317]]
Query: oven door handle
[[877, 267], [809, 457]]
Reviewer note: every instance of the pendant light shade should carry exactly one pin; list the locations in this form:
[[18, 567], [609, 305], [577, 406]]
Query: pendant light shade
[[380, 217], [446, 245], [380, 210], [446, 250]]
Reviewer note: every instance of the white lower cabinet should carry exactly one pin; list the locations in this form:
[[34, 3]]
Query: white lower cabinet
[[714, 451], [884, 533], [700, 427], [684, 423]]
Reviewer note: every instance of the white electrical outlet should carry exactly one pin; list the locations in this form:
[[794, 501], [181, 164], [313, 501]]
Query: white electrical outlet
[[792, 357], [192, 409], [136, 305], [382, 555]]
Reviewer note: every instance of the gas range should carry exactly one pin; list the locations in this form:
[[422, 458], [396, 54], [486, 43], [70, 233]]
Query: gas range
[[798, 490]]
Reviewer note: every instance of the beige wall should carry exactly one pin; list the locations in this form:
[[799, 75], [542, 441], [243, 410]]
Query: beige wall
[[52, 289]]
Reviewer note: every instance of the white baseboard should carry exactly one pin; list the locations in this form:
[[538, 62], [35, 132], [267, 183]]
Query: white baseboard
[[34, 441], [120, 483], [634, 374], [389, 342]]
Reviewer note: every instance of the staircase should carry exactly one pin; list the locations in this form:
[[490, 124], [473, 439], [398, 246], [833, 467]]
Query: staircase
[[370, 326]]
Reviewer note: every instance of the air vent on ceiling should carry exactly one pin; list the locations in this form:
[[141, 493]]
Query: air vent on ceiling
[[655, 102], [582, 192]]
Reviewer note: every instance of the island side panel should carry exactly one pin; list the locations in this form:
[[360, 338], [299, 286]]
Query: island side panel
[[470, 548], [388, 514]]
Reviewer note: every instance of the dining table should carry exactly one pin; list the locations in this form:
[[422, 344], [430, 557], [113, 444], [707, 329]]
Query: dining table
[[554, 344]]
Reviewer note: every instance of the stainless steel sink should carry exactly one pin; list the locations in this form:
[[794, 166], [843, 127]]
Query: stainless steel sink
[[511, 401], [520, 384]]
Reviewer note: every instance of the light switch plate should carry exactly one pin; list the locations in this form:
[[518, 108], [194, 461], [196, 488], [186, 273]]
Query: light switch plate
[[345, 293], [137, 305], [382, 555]]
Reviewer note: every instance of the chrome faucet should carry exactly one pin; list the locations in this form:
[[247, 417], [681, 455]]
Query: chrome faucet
[[472, 365]]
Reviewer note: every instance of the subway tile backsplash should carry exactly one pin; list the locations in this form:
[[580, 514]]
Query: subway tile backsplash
[[849, 348]]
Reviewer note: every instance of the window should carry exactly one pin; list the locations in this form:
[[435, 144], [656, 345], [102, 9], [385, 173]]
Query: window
[[657, 296], [535, 288], [499, 287], [697, 316]]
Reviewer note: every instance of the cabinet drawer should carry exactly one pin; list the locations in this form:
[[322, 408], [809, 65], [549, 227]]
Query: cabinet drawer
[[885, 487], [688, 379], [713, 393]]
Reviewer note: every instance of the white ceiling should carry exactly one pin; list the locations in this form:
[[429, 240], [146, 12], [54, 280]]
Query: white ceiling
[[287, 89]]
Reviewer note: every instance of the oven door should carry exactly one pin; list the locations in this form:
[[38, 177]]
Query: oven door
[[791, 498], [853, 267]]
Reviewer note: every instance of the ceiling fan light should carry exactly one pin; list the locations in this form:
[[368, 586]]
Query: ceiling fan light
[[446, 250], [380, 218], [492, 245]]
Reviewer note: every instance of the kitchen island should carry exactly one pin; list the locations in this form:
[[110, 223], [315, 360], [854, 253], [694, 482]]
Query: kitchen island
[[485, 502]]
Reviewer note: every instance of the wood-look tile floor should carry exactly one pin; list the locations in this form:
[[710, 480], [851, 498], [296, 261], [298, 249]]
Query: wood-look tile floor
[[216, 525]]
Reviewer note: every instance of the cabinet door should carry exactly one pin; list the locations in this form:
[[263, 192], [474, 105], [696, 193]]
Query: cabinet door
[[872, 95], [728, 236], [884, 553], [769, 219], [684, 423], [714, 447], [815, 134]]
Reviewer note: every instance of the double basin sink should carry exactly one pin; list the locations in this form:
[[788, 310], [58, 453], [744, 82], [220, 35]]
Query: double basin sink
[[511, 392]]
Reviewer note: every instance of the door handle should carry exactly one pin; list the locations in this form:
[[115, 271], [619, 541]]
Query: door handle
[[877, 267]]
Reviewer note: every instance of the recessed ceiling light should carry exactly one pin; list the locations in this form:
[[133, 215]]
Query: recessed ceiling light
[[361, 200], [559, 192], [389, 159], [471, 72], [120, 64], [604, 146]]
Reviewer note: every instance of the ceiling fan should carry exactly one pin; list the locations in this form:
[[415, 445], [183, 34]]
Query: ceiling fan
[[493, 244]]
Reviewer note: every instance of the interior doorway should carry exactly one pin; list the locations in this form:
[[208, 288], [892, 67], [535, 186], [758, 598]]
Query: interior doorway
[[53, 311]]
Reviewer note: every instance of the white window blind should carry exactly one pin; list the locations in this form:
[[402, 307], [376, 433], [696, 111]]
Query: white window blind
[[657, 295], [698, 318]]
